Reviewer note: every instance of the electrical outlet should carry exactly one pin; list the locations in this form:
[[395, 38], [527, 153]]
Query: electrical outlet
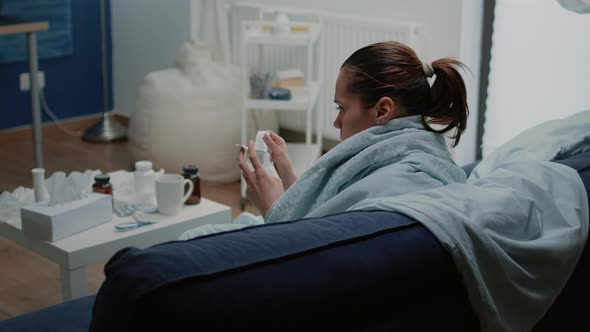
[[25, 81]]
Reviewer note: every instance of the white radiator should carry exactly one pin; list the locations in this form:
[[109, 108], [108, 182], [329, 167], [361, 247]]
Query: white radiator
[[340, 36]]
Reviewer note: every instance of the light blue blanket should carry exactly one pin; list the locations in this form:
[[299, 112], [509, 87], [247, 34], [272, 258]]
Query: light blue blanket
[[517, 228], [515, 236], [550, 140], [397, 158]]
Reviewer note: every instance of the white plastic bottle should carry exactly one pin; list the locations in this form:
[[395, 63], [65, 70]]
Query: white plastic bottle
[[144, 179], [39, 188], [281, 23]]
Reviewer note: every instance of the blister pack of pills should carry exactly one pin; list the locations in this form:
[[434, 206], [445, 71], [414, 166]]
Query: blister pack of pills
[[128, 210]]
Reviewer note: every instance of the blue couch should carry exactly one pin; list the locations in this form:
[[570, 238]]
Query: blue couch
[[353, 271]]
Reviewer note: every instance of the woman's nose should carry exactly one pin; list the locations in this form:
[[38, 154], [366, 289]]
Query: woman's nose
[[337, 122]]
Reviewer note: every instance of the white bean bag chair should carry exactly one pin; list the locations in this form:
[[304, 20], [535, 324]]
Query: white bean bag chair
[[191, 115]]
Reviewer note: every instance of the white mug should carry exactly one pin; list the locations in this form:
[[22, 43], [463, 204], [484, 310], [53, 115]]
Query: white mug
[[170, 193]]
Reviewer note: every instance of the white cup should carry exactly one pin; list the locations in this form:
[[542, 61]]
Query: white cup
[[170, 193]]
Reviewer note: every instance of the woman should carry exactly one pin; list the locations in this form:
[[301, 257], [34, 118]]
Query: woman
[[386, 108]]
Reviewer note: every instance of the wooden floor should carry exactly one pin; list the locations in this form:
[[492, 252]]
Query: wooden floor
[[28, 281]]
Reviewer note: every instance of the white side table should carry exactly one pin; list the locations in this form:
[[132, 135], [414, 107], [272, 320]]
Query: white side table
[[74, 253]]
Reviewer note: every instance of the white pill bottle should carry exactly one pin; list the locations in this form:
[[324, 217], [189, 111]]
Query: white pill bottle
[[144, 181]]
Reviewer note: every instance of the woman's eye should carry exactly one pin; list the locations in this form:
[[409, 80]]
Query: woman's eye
[[339, 109]]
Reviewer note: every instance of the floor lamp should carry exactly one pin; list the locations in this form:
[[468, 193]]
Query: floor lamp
[[106, 130]]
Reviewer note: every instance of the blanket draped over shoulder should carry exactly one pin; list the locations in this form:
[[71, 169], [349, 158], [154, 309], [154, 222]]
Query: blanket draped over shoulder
[[396, 158]]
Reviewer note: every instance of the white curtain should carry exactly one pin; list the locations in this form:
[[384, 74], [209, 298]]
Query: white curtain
[[539, 69], [209, 19]]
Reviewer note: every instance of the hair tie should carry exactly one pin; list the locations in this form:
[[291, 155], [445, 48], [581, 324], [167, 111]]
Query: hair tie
[[428, 71]]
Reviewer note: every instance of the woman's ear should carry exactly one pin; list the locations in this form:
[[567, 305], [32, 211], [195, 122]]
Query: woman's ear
[[387, 109]]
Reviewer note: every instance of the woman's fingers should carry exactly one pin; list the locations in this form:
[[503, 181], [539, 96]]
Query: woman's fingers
[[262, 190], [244, 167], [278, 140], [276, 143], [242, 161], [270, 143], [272, 134]]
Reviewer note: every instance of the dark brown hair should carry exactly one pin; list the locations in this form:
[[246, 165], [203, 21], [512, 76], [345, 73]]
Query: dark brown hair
[[391, 69]]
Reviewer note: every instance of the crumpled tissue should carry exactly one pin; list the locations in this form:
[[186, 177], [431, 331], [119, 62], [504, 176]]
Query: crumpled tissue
[[263, 154], [63, 189]]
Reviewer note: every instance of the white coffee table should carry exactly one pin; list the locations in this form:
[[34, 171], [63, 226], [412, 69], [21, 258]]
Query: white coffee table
[[97, 244]]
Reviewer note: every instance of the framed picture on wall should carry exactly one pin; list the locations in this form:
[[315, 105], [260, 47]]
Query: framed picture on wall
[[55, 42]]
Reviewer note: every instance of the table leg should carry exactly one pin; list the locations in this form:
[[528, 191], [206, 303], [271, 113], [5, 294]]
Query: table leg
[[35, 101], [73, 283]]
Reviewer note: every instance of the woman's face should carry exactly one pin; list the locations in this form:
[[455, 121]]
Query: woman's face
[[352, 117]]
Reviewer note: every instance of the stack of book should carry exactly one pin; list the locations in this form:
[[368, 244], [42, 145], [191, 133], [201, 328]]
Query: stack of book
[[288, 79]]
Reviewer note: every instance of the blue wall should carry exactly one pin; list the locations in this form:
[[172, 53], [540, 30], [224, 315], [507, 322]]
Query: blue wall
[[73, 84]]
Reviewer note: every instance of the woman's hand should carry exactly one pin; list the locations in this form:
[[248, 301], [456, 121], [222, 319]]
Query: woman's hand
[[263, 190], [278, 153]]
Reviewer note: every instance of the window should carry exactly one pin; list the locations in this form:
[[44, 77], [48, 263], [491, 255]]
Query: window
[[539, 69]]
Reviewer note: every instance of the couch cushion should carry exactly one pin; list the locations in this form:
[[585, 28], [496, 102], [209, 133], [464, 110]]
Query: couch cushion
[[339, 271], [245, 247]]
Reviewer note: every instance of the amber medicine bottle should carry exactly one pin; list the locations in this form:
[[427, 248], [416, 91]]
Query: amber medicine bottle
[[191, 172], [102, 184]]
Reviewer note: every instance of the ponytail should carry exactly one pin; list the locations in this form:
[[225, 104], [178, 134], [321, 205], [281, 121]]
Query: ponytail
[[448, 99], [392, 69]]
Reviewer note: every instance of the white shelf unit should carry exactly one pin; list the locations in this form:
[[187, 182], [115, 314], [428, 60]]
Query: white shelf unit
[[301, 34]]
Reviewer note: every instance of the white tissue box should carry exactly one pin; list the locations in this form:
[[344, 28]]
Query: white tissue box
[[52, 223]]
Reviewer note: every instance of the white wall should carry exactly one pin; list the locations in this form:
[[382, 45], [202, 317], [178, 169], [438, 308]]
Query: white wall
[[540, 67], [441, 19], [146, 35]]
